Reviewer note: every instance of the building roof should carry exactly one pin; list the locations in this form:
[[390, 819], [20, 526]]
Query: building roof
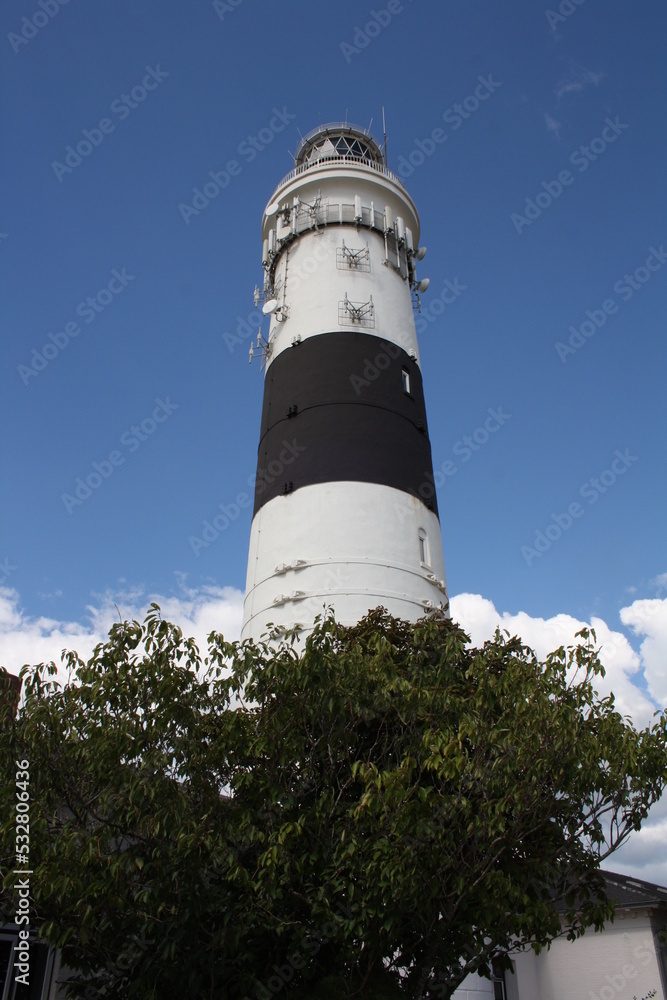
[[627, 893], [630, 892]]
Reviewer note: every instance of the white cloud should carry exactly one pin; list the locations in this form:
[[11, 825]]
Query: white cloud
[[623, 665], [648, 618], [28, 639]]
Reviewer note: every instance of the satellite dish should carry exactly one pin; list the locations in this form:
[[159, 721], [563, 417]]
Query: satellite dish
[[421, 253], [423, 284], [272, 208], [270, 307]]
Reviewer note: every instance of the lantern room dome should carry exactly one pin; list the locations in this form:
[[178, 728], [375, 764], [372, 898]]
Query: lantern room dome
[[338, 141]]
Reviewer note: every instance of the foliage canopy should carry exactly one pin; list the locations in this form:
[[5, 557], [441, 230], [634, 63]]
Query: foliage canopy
[[374, 813]]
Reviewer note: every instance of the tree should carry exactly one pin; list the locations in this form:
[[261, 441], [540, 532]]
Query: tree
[[376, 814]]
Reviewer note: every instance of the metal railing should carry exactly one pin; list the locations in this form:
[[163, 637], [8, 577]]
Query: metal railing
[[338, 161]]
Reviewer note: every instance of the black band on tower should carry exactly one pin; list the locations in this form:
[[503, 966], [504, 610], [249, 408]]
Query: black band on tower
[[344, 407]]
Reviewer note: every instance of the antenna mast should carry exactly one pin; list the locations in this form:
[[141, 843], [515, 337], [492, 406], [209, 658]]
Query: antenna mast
[[384, 130]]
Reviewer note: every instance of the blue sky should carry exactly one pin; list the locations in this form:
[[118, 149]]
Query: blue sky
[[542, 205]]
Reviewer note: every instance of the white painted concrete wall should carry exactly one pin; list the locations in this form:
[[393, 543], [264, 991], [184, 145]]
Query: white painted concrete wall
[[356, 546], [615, 964], [311, 286], [474, 988]]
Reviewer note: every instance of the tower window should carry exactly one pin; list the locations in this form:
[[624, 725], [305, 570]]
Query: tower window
[[423, 548], [405, 375]]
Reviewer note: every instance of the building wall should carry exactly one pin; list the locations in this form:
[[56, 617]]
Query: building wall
[[618, 963], [474, 988], [615, 964]]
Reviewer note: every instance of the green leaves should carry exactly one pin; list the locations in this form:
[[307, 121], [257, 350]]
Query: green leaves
[[384, 811]]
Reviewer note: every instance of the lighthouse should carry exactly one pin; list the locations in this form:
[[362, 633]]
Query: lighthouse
[[345, 512]]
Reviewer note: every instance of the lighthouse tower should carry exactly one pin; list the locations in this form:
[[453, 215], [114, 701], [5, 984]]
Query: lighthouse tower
[[345, 511]]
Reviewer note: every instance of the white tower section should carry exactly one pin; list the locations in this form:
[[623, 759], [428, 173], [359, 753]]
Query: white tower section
[[345, 511]]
